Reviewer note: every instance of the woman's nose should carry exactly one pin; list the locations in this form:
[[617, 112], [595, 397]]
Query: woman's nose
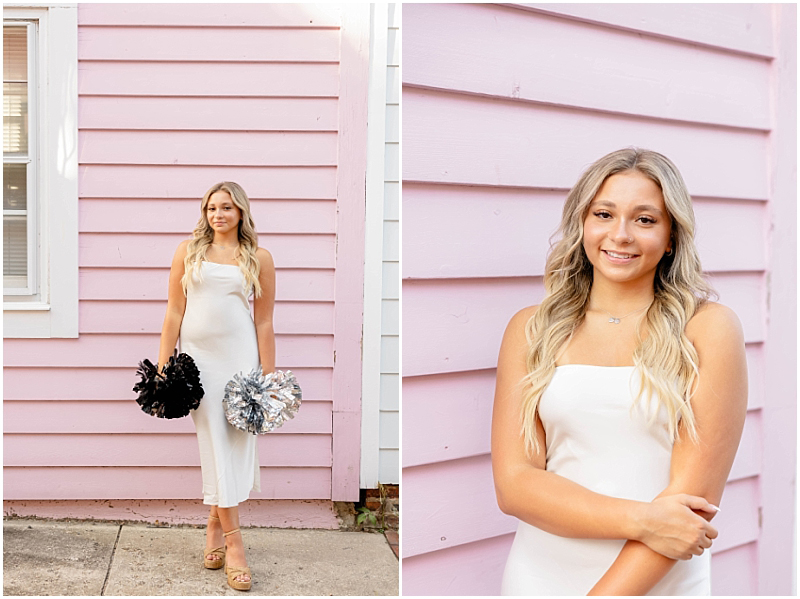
[[621, 232]]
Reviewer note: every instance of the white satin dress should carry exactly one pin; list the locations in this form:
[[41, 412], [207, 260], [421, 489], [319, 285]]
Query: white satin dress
[[595, 440], [219, 334]]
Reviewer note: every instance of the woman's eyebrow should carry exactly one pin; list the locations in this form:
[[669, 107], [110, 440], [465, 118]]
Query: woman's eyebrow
[[609, 204], [648, 207]]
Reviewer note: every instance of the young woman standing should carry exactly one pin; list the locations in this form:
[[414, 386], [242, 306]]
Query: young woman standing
[[620, 400], [211, 278]]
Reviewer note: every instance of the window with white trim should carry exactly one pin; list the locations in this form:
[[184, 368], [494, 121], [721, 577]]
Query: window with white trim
[[40, 171], [20, 234]]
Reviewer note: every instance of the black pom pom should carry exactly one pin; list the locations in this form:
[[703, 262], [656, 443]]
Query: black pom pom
[[172, 393]]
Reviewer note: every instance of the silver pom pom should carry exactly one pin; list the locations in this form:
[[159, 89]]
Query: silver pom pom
[[259, 403]]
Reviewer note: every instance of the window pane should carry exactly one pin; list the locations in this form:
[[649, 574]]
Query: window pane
[[15, 53], [15, 250], [15, 119], [14, 187]]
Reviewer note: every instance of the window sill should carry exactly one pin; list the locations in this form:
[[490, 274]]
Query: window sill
[[20, 306]]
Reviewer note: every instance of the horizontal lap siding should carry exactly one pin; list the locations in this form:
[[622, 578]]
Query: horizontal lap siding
[[504, 107], [389, 425], [173, 98]]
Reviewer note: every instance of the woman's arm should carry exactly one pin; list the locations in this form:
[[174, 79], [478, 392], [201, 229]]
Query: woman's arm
[[719, 405], [263, 308], [555, 504], [176, 306]]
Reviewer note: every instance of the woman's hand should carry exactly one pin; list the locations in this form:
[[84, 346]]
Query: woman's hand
[[671, 528]]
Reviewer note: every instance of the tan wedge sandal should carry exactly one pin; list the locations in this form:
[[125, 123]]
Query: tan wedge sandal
[[232, 572], [214, 564]]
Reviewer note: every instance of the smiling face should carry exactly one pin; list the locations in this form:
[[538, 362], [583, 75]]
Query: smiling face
[[222, 214], [627, 228]]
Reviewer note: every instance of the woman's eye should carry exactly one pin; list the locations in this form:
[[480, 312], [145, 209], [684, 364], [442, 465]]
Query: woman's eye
[[602, 214], [647, 220]]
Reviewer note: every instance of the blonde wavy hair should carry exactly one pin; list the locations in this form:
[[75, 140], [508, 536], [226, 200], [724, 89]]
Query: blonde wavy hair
[[245, 253], [665, 359]]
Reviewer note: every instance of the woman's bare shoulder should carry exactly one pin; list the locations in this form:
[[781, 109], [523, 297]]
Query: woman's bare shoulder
[[714, 323], [523, 316], [181, 251], [515, 331], [183, 248], [265, 260]]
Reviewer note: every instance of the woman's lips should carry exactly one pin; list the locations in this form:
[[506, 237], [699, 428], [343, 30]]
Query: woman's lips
[[619, 257]]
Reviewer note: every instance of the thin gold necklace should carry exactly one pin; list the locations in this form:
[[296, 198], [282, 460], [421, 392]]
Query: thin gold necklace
[[615, 319]]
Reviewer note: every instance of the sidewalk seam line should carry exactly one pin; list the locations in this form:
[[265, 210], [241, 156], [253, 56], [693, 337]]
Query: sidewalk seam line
[[111, 561]]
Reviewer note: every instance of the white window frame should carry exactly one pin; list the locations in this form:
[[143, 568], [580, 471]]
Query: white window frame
[[51, 310], [30, 160]]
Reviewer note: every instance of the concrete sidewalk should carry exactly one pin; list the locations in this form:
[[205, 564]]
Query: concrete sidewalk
[[43, 557]]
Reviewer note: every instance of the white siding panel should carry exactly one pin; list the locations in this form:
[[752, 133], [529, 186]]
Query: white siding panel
[[390, 317], [391, 280], [390, 354], [389, 466], [391, 240], [390, 392]]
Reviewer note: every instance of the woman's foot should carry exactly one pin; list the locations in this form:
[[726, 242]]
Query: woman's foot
[[235, 558], [214, 540]]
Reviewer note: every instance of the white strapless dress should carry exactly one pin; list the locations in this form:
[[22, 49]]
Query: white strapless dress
[[219, 334], [595, 440]]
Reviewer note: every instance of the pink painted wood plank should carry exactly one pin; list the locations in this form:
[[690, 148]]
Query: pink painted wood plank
[[453, 138], [198, 114], [303, 284], [212, 148], [178, 216], [124, 249], [777, 560], [745, 293], [208, 44], [214, 15], [93, 351], [154, 450], [148, 317], [64, 416], [455, 325], [110, 181], [433, 520], [115, 384], [447, 416], [737, 521], [455, 231], [716, 219], [151, 483], [105, 78], [466, 570], [735, 571], [498, 51], [351, 195], [278, 513], [346, 455], [458, 325], [745, 28]]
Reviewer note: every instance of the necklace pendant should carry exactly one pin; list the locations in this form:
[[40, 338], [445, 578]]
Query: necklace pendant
[[613, 320]]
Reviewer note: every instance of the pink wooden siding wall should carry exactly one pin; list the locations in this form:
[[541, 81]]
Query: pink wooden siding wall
[[503, 108], [174, 98]]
